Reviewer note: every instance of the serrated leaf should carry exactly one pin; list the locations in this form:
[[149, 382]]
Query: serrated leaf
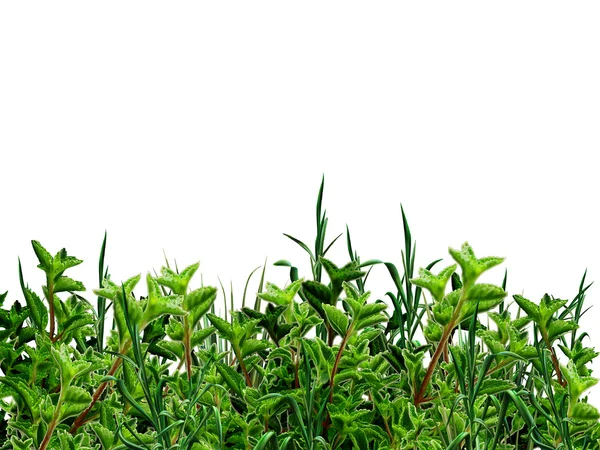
[[18, 444], [559, 327], [44, 257], [158, 305], [198, 303], [338, 276], [436, 284], [175, 329], [584, 411], [177, 282], [66, 284], [484, 292], [359, 439], [548, 306], [281, 297], [471, 266], [317, 295], [223, 327], [252, 346], [492, 386], [528, 306], [174, 347], [77, 321], [75, 394], [233, 379], [482, 297], [199, 336], [106, 436], [337, 319]]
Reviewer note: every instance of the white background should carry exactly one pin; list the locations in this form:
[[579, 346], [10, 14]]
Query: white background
[[204, 128]]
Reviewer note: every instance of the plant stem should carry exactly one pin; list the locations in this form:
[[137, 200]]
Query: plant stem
[[334, 372], [243, 366], [419, 398], [187, 347], [51, 305], [559, 377], [116, 364], [53, 422], [335, 366]]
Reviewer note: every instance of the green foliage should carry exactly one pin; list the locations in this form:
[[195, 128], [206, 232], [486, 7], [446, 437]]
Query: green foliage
[[322, 364]]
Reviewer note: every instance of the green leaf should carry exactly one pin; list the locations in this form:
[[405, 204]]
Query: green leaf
[[199, 336], [548, 306], [66, 284], [529, 307], [577, 384], [158, 305], [482, 297], [471, 266], [433, 331], [493, 386], [233, 379], [281, 297], [317, 295], [177, 282], [44, 257], [175, 329], [485, 292], [252, 346], [198, 302], [442, 312], [559, 327], [337, 319], [37, 310], [338, 275], [18, 444], [107, 437], [584, 411], [223, 327], [359, 438], [436, 284], [75, 394], [63, 262]]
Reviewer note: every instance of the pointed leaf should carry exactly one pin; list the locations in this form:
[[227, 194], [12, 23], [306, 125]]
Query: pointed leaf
[[337, 319], [529, 307], [44, 257], [233, 379], [584, 411], [493, 386], [198, 303], [436, 284], [471, 266], [559, 327], [223, 327], [66, 284], [177, 282]]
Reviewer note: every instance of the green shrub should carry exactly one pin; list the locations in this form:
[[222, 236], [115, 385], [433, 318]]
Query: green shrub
[[318, 364]]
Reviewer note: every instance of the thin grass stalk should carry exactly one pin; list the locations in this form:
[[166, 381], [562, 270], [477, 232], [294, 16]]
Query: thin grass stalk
[[102, 274]]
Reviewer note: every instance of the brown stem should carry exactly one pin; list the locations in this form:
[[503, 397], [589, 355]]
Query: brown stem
[[434, 360], [49, 432], [389, 432], [335, 366], [559, 377], [326, 423], [116, 364], [53, 422], [187, 348], [243, 366]]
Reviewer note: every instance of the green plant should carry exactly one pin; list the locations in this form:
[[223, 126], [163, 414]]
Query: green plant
[[446, 363]]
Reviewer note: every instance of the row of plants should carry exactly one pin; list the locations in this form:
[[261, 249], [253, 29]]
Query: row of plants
[[441, 362]]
